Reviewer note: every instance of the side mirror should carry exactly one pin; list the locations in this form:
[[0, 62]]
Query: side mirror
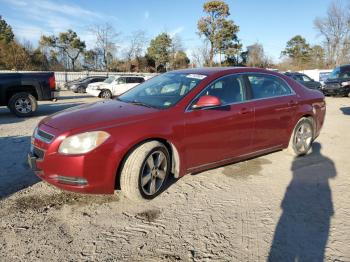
[[207, 101]]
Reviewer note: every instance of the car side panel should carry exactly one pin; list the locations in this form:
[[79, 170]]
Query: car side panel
[[273, 117], [215, 134]]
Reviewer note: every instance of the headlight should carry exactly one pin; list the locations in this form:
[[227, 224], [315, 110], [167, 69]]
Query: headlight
[[345, 83], [83, 143]]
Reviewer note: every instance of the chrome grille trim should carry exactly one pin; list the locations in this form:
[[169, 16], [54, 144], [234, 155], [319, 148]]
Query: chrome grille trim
[[43, 136]]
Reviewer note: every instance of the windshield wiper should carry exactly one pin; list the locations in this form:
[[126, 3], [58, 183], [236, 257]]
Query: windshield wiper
[[134, 102]]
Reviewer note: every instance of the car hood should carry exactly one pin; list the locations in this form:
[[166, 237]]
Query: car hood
[[98, 115], [336, 80]]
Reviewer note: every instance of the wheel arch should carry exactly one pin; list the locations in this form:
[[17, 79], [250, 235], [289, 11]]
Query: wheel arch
[[23, 88], [173, 151]]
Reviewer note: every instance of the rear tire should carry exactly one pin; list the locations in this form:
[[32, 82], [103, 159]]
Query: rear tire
[[302, 137], [80, 90], [23, 104], [145, 171], [106, 94]]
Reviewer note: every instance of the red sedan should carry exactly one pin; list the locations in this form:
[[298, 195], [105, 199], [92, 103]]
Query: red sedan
[[176, 123]]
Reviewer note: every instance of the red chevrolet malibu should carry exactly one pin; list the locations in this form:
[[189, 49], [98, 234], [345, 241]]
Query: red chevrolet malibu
[[174, 124]]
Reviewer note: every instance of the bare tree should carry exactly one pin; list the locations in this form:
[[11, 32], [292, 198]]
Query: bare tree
[[105, 42], [175, 48], [335, 28], [256, 56], [136, 47], [200, 56]]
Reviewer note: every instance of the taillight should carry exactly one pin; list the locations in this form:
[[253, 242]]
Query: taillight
[[52, 82]]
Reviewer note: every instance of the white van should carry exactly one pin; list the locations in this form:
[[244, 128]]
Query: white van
[[114, 86]]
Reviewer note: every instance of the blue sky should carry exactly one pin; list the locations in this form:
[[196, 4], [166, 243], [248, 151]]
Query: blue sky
[[270, 22]]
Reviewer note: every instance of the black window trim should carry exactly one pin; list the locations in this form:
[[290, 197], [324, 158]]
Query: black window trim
[[248, 91]]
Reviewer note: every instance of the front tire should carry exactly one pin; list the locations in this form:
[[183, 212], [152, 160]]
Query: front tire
[[23, 104], [302, 137], [106, 94], [145, 171]]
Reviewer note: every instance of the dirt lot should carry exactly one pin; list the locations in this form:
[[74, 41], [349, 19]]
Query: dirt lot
[[272, 207]]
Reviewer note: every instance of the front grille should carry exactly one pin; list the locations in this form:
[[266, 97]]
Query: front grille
[[39, 153], [44, 136], [332, 86]]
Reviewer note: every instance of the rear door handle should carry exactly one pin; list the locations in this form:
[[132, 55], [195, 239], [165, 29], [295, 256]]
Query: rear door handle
[[292, 103]]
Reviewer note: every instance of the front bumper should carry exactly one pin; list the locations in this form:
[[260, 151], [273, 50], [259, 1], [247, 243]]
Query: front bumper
[[92, 173], [93, 92], [336, 91]]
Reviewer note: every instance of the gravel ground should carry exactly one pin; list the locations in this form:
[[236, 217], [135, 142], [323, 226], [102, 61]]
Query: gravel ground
[[273, 207]]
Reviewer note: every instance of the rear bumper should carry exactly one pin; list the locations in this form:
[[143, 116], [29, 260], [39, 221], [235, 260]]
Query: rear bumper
[[55, 94]]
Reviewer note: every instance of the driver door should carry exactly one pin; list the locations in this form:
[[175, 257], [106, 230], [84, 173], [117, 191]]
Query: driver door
[[223, 132]]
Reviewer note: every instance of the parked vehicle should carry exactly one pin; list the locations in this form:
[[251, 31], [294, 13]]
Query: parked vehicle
[[323, 76], [21, 91], [338, 82], [305, 80], [80, 87], [114, 86], [177, 123], [68, 84]]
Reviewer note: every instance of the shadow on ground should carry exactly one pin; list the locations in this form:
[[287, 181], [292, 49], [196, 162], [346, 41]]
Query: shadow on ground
[[303, 228], [6, 117], [345, 110], [15, 173]]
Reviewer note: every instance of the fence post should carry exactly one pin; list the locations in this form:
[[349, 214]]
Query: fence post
[[65, 77]]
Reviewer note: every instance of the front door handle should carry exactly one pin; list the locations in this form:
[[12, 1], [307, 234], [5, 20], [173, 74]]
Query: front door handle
[[244, 111]]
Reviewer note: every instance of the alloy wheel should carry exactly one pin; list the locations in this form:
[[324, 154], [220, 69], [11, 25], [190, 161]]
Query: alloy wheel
[[153, 173], [106, 95], [23, 105], [303, 137]]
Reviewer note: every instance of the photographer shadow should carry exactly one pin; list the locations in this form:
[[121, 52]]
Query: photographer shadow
[[303, 228]]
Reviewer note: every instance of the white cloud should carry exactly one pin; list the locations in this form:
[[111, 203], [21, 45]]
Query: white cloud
[[28, 32], [176, 31], [49, 17], [146, 15]]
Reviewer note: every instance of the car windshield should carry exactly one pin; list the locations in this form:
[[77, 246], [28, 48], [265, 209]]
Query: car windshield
[[339, 73], [109, 79], [162, 91], [335, 73]]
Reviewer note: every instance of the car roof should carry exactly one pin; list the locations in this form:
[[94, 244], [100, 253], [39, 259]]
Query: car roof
[[293, 73], [130, 76], [214, 70]]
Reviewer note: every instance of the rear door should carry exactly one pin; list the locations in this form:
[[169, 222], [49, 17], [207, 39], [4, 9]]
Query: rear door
[[275, 104], [222, 132]]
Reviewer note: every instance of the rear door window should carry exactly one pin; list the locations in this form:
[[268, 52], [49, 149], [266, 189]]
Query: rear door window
[[266, 86]]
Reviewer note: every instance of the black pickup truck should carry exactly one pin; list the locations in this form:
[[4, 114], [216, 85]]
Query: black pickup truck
[[21, 91], [338, 82]]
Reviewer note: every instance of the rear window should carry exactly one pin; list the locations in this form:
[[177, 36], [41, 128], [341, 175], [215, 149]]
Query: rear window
[[134, 80]]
